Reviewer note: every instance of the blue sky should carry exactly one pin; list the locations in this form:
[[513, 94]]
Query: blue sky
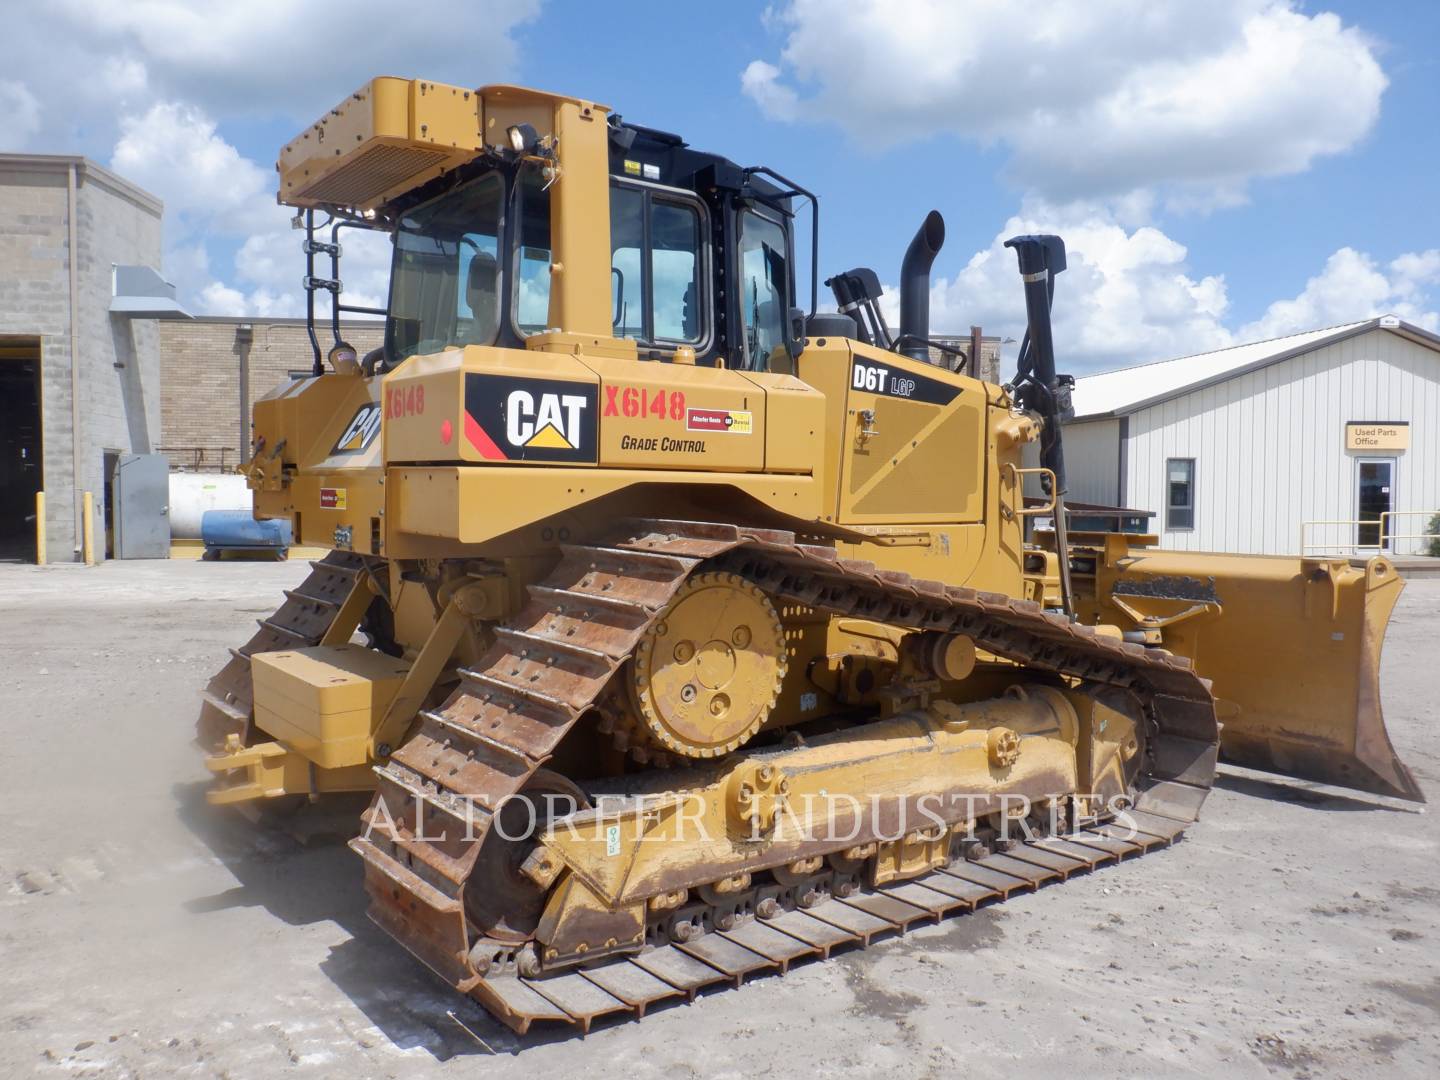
[[1222, 172]]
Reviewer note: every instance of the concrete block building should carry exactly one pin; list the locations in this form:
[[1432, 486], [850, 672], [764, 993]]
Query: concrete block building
[[79, 385]]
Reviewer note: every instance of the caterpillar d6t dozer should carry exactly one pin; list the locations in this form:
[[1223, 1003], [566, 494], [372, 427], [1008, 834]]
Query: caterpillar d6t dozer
[[682, 631]]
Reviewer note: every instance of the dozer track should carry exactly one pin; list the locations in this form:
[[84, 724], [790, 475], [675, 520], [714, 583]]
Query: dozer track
[[227, 702], [548, 667]]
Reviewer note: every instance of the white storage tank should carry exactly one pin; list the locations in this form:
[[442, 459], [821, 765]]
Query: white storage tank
[[191, 494]]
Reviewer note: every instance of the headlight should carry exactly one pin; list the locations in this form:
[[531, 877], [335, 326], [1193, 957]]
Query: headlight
[[523, 138]]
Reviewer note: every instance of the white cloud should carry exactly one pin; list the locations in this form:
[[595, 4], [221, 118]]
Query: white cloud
[[162, 81], [1099, 106], [214, 194], [1105, 111], [19, 114], [175, 152], [761, 81], [1090, 99], [1353, 286], [88, 60], [1128, 295], [277, 55], [269, 266]]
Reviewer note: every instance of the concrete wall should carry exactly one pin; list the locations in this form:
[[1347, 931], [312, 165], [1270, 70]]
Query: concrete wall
[[118, 360], [120, 357], [34, 301], [204, 424], [1269, 446]]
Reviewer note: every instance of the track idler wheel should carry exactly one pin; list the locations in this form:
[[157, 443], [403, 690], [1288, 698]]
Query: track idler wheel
[[503, 903], [708, 671]]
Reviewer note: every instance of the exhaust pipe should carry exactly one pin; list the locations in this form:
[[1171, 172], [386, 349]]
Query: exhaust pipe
[[915, 286]]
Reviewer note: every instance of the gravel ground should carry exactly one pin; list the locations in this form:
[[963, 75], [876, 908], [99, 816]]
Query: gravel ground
[[1294, 933]]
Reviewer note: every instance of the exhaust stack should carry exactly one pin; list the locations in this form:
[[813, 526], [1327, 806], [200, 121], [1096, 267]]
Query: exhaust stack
[[915, 286]]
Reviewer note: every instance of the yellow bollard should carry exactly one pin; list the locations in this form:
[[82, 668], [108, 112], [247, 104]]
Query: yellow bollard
[[39, 528], [87, 527]]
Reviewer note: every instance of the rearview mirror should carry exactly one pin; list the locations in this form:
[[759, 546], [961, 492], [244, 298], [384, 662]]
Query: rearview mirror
[[795, 339]]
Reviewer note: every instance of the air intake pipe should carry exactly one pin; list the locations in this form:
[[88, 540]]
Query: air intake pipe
[[1038, 386], [1041, 389], [915, 286]]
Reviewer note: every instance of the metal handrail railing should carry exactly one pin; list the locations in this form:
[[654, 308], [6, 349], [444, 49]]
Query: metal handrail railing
[[200, 458], [1386, 537], [1012, 473]]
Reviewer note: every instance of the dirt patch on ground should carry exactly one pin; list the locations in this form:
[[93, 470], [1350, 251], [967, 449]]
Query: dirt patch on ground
[[1290, 934]]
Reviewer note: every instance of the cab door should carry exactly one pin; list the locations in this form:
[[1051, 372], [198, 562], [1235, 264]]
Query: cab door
[[913, 448]]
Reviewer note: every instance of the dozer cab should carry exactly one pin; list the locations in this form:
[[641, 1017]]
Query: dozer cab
[[681, 630]]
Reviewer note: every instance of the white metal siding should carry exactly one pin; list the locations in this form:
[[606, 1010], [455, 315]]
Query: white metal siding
[[1092, 462], [1269, 445]]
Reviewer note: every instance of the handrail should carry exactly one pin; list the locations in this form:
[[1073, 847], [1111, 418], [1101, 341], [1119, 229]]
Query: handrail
[[1386, 536], [1012, 473], [199, 459]]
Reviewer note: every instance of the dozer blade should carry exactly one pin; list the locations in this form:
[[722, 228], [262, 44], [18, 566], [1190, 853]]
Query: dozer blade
[[1292, 647]]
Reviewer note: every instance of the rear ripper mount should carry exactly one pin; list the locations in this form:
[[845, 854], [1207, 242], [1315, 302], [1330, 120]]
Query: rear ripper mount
[[438, 794]]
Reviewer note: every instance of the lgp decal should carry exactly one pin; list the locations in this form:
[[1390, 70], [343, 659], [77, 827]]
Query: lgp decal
[[361, 430], [893, 382], [515, 419], [725, 421]]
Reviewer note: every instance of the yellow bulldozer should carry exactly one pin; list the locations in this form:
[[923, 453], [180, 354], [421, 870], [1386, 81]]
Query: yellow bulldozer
[[681, 631]]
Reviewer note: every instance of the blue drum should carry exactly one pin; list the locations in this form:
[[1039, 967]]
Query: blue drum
[[237, 530]]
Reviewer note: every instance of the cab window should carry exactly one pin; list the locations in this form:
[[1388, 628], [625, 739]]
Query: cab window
[[444, 281], [655, 267], [627, 249], [674, 272], [532, 263], [764, 292]]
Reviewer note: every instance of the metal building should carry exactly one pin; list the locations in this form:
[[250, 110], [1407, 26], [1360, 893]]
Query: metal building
[[79, 358], [1326, 442]]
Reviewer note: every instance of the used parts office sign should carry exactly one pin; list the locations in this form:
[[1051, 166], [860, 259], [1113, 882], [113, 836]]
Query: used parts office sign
[[1377, 435]]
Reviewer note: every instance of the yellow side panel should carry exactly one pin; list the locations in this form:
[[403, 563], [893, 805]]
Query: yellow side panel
[[794, 425], [583, 407], [309, 417], [483, 403], [913, 446], [475, 505], [825, 365], [326, 431], [671, 416], [324, 701]]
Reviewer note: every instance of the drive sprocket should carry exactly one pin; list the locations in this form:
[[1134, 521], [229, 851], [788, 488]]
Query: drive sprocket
[[707, 673]]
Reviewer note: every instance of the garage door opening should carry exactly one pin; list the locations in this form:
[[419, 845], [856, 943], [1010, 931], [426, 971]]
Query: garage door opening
[[20, 446]]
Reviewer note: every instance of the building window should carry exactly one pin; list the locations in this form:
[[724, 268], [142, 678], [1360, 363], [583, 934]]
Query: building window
[[1180, 493]]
